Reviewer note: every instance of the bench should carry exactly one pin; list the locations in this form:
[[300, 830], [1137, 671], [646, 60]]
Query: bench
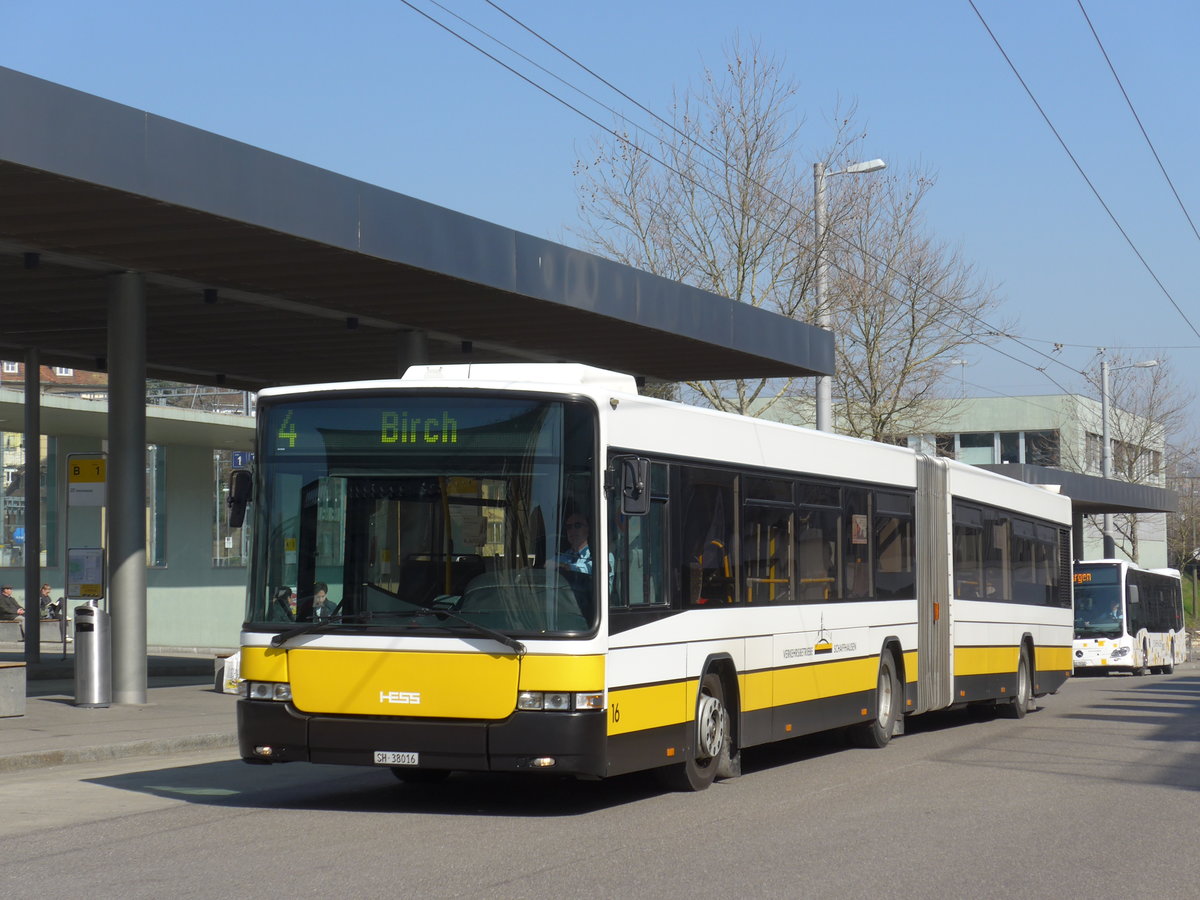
[[12, 688], [52, 630]]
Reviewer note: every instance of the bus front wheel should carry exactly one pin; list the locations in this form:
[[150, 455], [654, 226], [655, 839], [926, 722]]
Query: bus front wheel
[[712, 742]]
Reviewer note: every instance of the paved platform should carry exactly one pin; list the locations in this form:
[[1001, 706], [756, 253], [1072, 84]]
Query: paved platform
[[183, 712]]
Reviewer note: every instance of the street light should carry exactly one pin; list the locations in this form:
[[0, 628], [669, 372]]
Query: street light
[[1110, 545], [824, 382]]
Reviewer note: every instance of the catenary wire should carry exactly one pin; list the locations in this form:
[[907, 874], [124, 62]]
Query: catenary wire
[[987, 327], [1149, 143], [1079, 168]]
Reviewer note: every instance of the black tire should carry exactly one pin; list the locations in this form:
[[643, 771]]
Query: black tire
[[420, 776], [712, 740], [1143, 669], [1169, 668], [1019, 704], [876, 734]]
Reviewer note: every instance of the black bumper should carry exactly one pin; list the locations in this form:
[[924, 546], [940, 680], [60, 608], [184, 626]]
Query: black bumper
[[575, 740]]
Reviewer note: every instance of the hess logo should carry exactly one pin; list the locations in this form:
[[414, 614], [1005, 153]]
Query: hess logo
[[409, 698]]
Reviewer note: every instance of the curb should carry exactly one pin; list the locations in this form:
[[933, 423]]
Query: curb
[[38, 759]]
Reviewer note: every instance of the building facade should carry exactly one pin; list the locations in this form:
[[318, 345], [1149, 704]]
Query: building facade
[[1062, 431], [195, 564]]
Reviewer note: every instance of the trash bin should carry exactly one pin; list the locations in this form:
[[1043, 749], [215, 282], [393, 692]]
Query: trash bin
[[93, 657]]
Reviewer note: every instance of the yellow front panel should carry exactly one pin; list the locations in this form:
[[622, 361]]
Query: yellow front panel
[[985, 660], [383, 683], [636, 709], [562, 673], [263, 664], [1051, 658]]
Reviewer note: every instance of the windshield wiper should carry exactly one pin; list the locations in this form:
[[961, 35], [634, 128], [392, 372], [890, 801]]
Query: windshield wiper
[[307, 628], [511, 642], [312, 627]]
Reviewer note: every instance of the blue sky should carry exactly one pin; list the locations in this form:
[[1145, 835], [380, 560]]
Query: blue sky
[[373, 90]]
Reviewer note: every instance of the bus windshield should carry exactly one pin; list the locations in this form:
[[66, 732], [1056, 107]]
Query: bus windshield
[[440, 512], [1098, 602]]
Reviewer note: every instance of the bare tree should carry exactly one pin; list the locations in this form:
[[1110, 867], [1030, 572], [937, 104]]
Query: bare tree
[[722, 200], [904, 304], [715, 200]]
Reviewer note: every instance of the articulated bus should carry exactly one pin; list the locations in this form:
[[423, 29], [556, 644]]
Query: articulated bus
[[1128, 619], [532, 568]]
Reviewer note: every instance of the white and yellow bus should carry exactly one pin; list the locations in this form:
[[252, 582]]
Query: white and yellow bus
[[1128, 619], [531, 568]]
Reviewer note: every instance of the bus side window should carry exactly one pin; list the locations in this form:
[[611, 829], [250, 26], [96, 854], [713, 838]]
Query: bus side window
[[638, 550], [708, 546]]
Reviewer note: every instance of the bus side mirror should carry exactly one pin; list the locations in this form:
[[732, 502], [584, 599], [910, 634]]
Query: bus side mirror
[[635, 485], [240, 489]]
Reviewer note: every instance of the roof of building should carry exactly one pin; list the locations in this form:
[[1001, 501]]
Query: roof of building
[[263, 270], [1090, 494]]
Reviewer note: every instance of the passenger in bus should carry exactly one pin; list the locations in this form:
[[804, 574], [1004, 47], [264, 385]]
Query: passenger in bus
[[322, 605], [283, 604], [1115, 612]]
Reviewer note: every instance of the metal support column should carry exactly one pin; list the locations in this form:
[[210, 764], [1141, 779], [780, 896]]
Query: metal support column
[[33, 505], [127, 485], [412, 350]]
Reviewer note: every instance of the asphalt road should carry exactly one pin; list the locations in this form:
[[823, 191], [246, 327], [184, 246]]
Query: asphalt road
[[1097, 794]]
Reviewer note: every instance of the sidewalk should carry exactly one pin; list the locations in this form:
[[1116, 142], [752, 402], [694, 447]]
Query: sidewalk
[[182, 712]]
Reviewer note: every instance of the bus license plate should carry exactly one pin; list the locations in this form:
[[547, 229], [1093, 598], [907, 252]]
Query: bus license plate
[[395, 758]]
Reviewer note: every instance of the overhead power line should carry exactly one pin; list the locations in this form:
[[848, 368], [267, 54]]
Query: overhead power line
[[1138, 119], [986, 326], [1079, 168]]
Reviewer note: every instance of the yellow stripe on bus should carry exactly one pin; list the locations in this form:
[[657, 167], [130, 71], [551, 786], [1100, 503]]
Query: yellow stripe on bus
[[1050, 658], [985, 660]]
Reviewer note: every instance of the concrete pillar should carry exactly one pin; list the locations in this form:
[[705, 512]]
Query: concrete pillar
[[33, 505], [127, 485]]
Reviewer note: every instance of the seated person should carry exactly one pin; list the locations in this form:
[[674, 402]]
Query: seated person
[[283, 604], [11, 609], [578, 555], [50, 609], [322, 606]]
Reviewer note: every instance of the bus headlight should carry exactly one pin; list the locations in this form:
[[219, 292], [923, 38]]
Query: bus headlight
[[1119, 652], [559, 701], [265, 690]]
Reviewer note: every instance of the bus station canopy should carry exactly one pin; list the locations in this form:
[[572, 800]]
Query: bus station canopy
[[262, 270]]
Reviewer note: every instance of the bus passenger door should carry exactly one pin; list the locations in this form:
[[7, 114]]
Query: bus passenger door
[[935, 661]]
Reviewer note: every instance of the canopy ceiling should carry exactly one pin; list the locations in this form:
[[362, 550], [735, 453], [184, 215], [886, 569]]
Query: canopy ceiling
[[262, 270]]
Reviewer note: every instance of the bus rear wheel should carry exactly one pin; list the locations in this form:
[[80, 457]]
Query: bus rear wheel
[[1019, 705], [712, 742], [878, 732]]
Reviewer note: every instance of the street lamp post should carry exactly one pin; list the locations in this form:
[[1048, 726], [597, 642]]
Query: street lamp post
[[824, 382], [1110, 545]]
